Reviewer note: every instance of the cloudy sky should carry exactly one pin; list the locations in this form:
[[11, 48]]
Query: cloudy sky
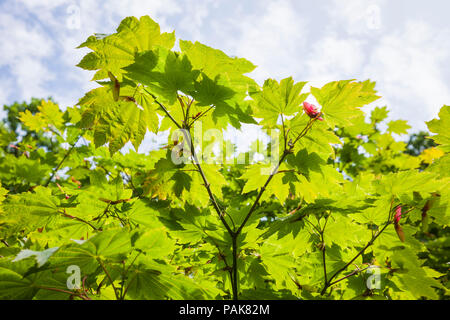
[[403, 45]]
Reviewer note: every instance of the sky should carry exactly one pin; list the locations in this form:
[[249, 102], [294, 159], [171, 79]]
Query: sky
[[403, 45]]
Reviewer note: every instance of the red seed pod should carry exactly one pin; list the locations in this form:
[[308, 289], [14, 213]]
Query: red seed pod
[[398, 228], [400, 233]]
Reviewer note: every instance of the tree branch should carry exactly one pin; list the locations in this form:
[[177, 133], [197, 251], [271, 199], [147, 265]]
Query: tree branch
[[329, 283], [79, 219], [62, 161], [109, 278], [348, 276], [163, 108], [285, 153], [188, 136]]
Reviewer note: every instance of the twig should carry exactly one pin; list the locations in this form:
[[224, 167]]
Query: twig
[[82, 296], [109, 278], [357, 255], [62, 161], [285, 153], [79, 219], [163, 108], [201, 115], [349, 275]]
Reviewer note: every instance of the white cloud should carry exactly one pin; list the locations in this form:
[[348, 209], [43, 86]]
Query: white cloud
[[334, 58], [270, 38], [24, 50], [409, 68], [356, 17], [337, 40], [195, 13]]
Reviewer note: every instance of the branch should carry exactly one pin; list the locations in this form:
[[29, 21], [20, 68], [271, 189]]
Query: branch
[[261, 192], [61, 162], [205, 181], [235, 277], [164, 109], [349, 275], [285, 153], [82, 296], [329, 283], [196, 162], [79, 219], [201, 115], [284, 132], [109, 277]]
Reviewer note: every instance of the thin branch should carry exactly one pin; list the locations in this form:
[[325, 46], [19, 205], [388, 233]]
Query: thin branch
[[324, 260], [163, 108], [82, 296], [78, 219], [128, 286], [201, 115], [255, 203], [285, 153], [109, 277], [317, 230], [62, 161], [321, 232], [188, 136], [349, 275], [284, 132], [357, 255], [182, 107], [235, 273], [296, 209]]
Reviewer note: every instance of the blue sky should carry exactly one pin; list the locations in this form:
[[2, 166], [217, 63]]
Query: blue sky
[[403, 45]]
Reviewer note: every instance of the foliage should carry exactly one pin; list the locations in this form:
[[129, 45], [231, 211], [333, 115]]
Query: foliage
[[342, 201]]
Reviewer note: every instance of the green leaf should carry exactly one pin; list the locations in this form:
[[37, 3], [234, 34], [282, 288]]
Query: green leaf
[[164, 72], [440, 127], [155, 243], [13, 285], [222, 83], [378, 114], [48, 115], [112, 246], [39, 203], [118, 122], [278, 98], [398, 126], [116, 51], [341, 100], [164, 285], [278, 262]]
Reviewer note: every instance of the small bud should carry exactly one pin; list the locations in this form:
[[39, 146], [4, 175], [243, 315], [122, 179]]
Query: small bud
[[311, 111]]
